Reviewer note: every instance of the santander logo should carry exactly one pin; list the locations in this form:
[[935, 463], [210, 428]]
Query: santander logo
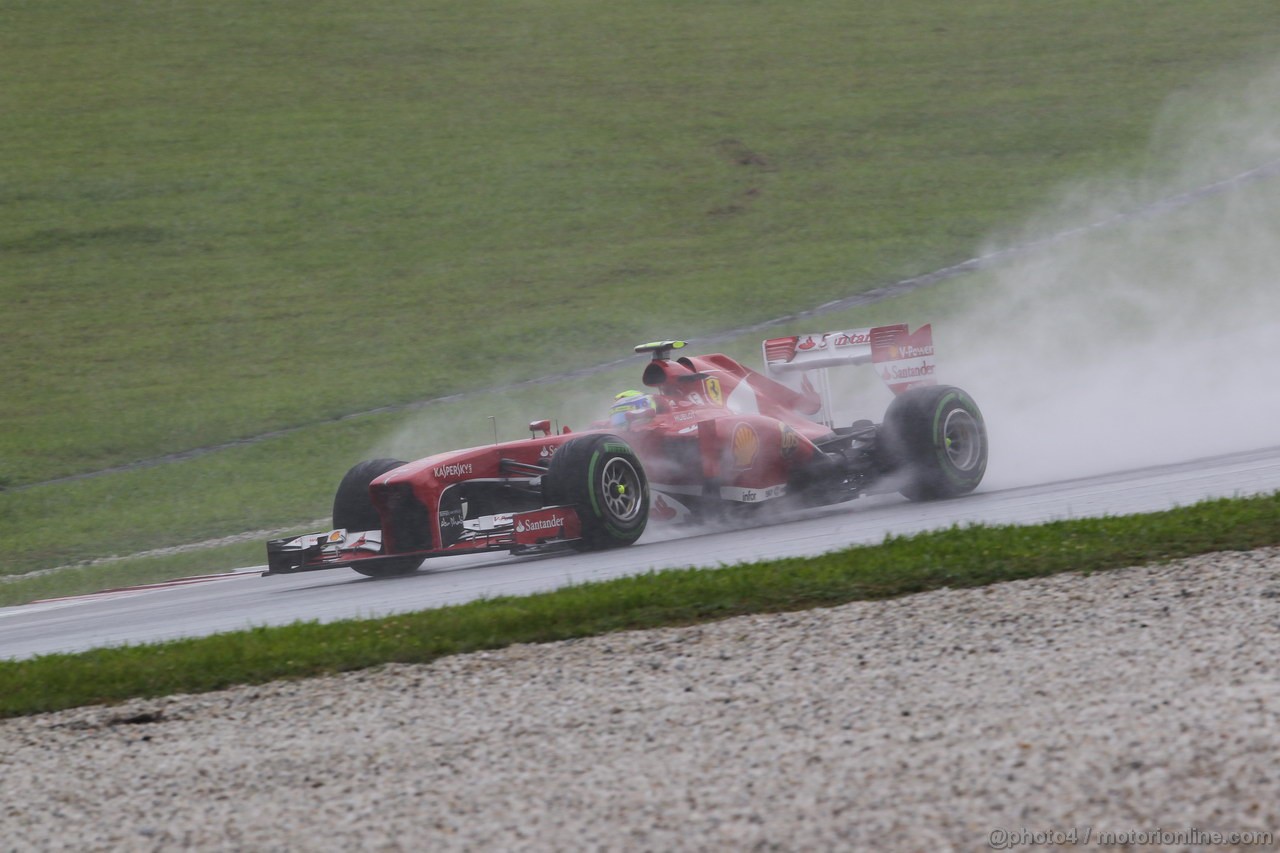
[[554, 522]]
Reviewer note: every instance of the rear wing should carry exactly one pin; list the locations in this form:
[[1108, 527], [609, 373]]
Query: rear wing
[[903, 359]]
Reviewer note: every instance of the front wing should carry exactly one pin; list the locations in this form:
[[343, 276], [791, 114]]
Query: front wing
[[335, 549]]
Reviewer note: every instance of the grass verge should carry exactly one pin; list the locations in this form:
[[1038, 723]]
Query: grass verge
[[959, 557]]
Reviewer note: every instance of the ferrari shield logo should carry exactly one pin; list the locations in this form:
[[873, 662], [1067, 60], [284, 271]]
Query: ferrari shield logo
[[714, 394], [790, 441]]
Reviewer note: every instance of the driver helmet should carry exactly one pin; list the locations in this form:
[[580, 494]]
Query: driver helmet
[[631, 405]]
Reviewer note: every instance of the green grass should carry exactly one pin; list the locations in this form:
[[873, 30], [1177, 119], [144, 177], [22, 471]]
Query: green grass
[[221, 220], [966, 557], [216, 221]]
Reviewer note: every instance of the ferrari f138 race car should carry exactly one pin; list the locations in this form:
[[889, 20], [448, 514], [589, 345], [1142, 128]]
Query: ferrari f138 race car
[[708, 438]]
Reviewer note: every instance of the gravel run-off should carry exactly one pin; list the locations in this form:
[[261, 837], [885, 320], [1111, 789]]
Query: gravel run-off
[[1145, 700]]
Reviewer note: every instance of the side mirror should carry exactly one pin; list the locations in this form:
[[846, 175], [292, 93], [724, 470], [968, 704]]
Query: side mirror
[[543, 426]]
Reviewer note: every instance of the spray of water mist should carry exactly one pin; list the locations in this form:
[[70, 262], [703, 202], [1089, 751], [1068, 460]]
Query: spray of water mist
[[1148, 339], [1153, 341]]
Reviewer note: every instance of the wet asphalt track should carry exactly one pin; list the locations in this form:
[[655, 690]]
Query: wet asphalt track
[[245, 599]]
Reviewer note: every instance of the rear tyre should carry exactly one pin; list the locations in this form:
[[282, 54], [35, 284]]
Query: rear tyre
[[353, 509], [935, 441], [601, 477]]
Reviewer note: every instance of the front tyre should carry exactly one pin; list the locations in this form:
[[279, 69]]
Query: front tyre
[[601, 477], [353, 509], [935, 441]]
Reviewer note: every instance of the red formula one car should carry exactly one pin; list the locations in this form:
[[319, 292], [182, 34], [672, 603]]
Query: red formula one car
[[709, 437]]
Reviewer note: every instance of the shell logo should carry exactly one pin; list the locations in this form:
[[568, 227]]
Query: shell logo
[[745, 445]]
